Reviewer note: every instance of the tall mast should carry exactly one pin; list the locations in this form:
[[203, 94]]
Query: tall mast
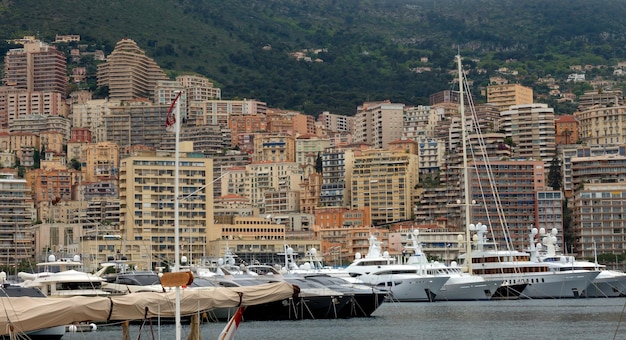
[[176, 213], [466, 201]]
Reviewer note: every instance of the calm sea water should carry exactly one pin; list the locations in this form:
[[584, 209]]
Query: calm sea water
[[521, 319]]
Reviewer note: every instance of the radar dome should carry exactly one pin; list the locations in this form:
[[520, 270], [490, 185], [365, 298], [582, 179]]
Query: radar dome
[[385, 254], [313, 251], [183, 259], [416, 232], [76, 258], [289, 251], [554, 231], [357, 255], [52, 258], [534, 231], [220, 261]]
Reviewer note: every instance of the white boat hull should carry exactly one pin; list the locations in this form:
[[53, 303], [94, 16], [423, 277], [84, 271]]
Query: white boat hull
[[607, 284], [462, 289], [553, 285], [407, 287]]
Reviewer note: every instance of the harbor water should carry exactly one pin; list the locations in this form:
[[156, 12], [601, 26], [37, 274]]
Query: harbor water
[[512, 319]]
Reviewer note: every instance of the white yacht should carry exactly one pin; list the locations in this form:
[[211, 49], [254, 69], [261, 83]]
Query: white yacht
[[543, 282], [461, 286], [608, 283], [60, 278], [402, 282]]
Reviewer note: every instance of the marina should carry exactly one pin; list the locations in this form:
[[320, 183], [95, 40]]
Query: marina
[[601, 318]]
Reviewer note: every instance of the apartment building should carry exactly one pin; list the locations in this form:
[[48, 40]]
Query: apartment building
[[243, 124], [589, 100], [598, 219], [505, 95], [16, 218], [421, 121], [566, 130], [147, 204], [137, 122], [37, 67], [101, 162], [274, 148], [336, 123], [602, 125], [378, 123], [129, 73], [517, 183], [308, 147], [217, 112], [89, 113], [531, 128], [383, 181]]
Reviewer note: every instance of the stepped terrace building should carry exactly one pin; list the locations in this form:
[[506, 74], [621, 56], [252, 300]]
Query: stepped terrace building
[[129, 73]]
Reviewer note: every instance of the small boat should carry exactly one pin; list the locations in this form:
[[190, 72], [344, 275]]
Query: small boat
[[403, 283]]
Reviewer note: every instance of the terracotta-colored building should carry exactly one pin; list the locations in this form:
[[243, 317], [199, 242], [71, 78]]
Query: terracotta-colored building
[[566, 128]]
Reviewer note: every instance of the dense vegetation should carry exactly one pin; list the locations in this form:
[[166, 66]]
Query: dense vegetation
[[371, 46]]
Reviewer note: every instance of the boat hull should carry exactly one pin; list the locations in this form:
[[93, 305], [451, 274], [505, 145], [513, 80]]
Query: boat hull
[[553, 285], [407, 288], [301, 308], [607, 285], [466, 290]]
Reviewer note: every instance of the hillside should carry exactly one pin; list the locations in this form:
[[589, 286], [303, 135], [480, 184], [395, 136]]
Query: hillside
[[369, 46]]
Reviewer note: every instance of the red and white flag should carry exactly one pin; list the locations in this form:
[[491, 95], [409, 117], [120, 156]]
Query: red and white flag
[[228, 333], [170, 120]]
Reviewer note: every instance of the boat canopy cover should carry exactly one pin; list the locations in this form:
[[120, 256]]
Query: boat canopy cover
[[24, 314]]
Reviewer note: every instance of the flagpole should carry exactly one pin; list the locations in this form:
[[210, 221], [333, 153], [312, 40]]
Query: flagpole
[[176, 213]]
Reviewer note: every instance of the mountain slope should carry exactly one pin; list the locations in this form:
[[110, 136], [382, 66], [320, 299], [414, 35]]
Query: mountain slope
[[371, 45]]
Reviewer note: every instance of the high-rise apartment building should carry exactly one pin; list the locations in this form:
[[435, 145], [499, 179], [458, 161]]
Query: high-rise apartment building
[[517, 184], [148, 203], [36, 67], [138, 122], [598, 219], [505, 95], [16, 214], [531, 128], [129, 73], [383, 181], [378, 123]]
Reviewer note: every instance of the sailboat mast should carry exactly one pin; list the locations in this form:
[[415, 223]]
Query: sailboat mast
[[466, 201], [176, 213]]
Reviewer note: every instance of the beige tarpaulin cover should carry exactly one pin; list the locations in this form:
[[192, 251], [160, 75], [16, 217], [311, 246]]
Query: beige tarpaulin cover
[[26, 313]]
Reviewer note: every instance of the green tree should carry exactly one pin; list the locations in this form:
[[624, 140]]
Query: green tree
[[555, 177]]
